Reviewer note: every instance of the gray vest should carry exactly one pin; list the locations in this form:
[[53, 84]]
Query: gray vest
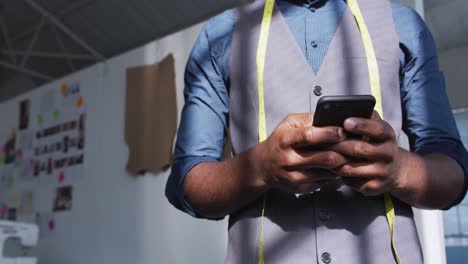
[[334, 223]]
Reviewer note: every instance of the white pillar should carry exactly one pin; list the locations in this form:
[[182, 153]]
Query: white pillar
[[431, 234], [419, 7]]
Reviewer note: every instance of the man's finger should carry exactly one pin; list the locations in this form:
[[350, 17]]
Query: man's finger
[[313, 136], [374, 129], [319, 159], [376, 116], [368, 187], [363, 150], [362, 170], [299, 120], [301, 177]]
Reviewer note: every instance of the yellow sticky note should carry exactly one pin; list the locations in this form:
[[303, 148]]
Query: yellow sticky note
[[39, 119], [14, 198], [20, 209]]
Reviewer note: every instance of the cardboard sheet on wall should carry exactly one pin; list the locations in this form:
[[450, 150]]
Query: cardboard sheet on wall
[[151, 116]]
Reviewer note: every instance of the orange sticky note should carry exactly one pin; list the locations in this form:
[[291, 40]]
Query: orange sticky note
[[64, 88], [80, 102], [13, 131]]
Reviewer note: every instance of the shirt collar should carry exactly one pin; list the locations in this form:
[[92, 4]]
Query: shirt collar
[[306, 3]]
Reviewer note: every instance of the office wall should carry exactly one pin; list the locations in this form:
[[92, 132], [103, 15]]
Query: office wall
[[117, 218]]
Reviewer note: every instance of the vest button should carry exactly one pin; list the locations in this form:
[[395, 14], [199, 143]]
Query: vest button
[[314, 44], [318, 90], [326, 258], [312, 9]]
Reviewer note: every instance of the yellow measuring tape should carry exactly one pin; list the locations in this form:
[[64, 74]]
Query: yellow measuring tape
[[374, 78]]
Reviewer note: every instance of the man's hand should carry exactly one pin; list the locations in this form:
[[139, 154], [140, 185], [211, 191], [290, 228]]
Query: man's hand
[[376, 158], [432, 181], [292, 160]]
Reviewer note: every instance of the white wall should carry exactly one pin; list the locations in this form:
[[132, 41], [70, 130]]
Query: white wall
[[116, 218]]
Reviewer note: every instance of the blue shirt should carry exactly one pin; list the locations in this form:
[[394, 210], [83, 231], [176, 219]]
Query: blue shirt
[[427, 115]]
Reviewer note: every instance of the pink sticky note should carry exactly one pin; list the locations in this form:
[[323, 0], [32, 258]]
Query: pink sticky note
[[61, 177], [4, 149], [51, 224], [4, 210]]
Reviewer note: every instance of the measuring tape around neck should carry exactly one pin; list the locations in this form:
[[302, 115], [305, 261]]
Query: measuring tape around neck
[[374, 79]]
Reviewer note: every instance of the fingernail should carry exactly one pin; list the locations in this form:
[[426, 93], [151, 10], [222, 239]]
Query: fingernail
[[341, 133], [350, 124]]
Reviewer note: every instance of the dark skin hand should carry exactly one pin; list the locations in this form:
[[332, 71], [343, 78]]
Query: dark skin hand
[[298, 158], [377, 165], [289, 160]]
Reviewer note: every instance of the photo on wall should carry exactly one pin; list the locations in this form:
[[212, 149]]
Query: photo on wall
[[63, 199], [25, 107]]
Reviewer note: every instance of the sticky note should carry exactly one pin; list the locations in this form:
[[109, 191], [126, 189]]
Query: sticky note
[[2, 159], [4, 149], [80, 102], [13, 131], [51, 224], [4, 209], [14, 198], [56, 113], [61, 177], [10, 181], [20, 209], [39, 119], [64, 88]]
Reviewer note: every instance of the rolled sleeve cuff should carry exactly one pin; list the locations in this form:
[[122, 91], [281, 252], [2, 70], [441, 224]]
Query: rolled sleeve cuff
[[174, 186], [456, 152]]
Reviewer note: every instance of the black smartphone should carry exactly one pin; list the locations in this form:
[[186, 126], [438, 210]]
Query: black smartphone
[[334, 110]]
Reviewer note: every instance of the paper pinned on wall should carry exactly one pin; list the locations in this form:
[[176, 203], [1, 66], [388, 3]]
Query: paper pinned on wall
[[47, 102], [150, 116], [25, 140], [25, 111], [25, 170], [27, 203], [63, 199], [7, 177], [59, 146], [3, 210]]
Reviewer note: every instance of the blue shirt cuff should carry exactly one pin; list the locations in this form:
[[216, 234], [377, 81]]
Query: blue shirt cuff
[[174, 186], [454, 151]]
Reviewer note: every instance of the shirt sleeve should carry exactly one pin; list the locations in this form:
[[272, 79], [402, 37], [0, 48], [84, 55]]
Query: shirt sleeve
[[427, 115], [202, 132]]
